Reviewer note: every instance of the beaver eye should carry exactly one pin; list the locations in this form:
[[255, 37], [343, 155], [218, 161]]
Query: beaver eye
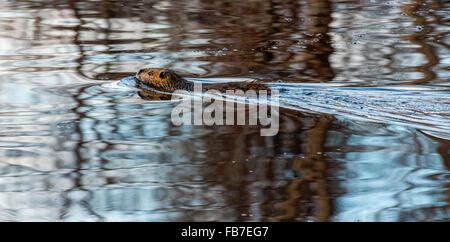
[[162, 75]]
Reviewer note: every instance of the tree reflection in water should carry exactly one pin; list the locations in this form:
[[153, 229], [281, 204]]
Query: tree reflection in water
[[99, 154]]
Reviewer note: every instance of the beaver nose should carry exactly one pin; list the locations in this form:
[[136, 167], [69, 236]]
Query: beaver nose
[[140, 71]]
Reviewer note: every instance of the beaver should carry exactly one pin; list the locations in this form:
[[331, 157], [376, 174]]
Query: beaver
[[165, 81]]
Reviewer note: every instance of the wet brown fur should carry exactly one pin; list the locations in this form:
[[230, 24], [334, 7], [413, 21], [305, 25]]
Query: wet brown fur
[[163, 80], [168, 81]]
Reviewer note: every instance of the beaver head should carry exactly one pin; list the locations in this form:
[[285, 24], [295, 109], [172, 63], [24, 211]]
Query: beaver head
[[161, 79]]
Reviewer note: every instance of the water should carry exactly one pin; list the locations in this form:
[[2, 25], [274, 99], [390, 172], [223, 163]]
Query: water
[[75, 146]]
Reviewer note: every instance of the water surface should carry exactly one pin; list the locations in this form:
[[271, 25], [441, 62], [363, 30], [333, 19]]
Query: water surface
[[74, 146]]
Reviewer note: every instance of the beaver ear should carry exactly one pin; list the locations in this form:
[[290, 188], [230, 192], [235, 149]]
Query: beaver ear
[[162, 75]]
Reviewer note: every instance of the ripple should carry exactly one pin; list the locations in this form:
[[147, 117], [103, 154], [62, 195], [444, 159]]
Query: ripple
[[77, 145]]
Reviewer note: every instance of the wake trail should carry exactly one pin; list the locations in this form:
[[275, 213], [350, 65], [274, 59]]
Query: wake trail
[[421, 107]]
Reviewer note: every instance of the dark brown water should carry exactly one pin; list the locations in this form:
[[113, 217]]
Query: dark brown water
[[74, 146]]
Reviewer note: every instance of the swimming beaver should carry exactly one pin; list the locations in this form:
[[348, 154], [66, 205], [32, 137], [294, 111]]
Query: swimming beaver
[[168, 81]]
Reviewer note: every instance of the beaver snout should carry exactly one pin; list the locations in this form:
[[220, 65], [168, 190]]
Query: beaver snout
[[140, 74]]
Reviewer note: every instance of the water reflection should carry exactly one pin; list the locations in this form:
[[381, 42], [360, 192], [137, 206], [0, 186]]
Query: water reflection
[[74, 146]]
